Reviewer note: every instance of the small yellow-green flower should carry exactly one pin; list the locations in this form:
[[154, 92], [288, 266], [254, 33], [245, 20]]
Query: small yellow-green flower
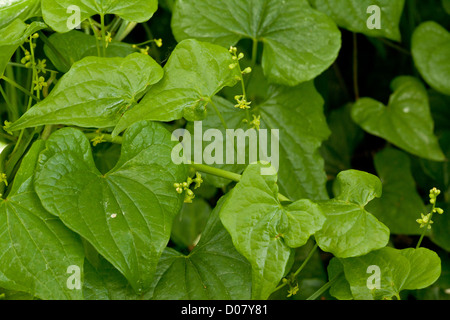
[[425, 220], [3, 178]]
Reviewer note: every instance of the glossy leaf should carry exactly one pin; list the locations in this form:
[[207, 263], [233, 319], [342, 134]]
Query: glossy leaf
[[195, 72], [297, 114], [350, 230], [75, 45], [60, 14], [400, 205], [405, 122], [358, 15], [291, 31], [18, 9], [94, 93], [431, 53], [264, 230], [125, 214], [406, 269], [12, 36], [36, 249]]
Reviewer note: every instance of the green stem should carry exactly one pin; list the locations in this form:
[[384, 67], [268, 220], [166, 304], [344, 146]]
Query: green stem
[[46, 132], [311, 253], [15, 64], [94, 30], [107, 137], [12, 113], [219, 114], [227, 175], [14, 84], [102, 22], [324, 288], [426, 227]]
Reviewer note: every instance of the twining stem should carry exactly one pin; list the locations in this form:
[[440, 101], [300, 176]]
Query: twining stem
[[324, 288], [15, 64], [355, 66], [311, 253], [105, 136], [219, 114], [94, 30], [102, 22], [18, 86]]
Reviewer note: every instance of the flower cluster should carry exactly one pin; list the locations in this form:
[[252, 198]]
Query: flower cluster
[[425, 220], [184, 186]]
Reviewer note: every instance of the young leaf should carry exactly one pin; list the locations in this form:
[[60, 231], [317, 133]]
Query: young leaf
[[94, 93], [59, 14], [349, 229], [384, 273], [75, 45], [36, 249], [291, 31], [264, 230], [405, 122], [195, 72], [214, 270], [431, 52], [12, 36], [356, 16], [125, 214], [400, 205]]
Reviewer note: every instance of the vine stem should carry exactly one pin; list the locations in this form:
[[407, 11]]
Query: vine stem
[[219, 114], [18, 86], [227, 175], [311, 253], [95, 36], [102, 22], [324, 288], [107, 137]]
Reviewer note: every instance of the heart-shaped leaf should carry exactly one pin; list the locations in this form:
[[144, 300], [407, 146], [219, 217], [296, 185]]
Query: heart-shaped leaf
[[75, 45], [264, 230], [58, 14], [36, 249], [405, 122], [297, 114], [431, 52], [18, 9], [349, 229], [195, 72], [400, 205], [356, 16], [125, 214], [291, 31], [12, 36], [94, 93], [213, 270], [383, 273]]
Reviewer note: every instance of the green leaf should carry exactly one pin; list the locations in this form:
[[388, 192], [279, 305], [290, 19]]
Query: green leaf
[[60, 14], [94, 93], [213, 270], [405, 122], [36, 249], [349, 229], [18, 9], [446, 5], [356, 16], [12, 36], [431, 52], [125, 214], [264, 230], [400, 205], [297, 112], [75, 45], [291, 31], [195, 72], [406, 269], [190, 222]]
